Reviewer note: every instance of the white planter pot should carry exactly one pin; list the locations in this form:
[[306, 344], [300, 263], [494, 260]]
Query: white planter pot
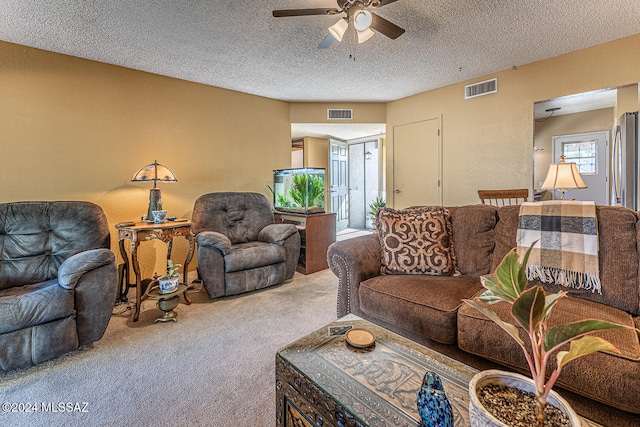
[[159, 216], [480, 417], [168, 285]]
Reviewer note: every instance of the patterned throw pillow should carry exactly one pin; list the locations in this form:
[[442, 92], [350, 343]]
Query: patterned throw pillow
[[416, 241]]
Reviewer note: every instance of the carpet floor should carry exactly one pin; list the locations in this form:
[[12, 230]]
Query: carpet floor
[[214, 367]]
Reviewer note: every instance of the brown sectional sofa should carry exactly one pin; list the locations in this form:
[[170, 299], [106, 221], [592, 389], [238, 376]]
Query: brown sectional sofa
[[429, 309]]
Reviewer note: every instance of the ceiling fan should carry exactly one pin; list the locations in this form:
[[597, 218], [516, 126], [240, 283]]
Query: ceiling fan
[[358, 14]]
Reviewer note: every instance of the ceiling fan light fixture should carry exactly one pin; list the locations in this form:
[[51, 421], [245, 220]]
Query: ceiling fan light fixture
[[338, 29], [365, 35], [362, 20]]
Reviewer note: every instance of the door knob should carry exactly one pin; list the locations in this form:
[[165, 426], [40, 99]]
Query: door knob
[[397, 191]]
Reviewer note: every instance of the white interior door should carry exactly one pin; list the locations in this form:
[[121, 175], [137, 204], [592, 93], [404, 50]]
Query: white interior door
[[590, 153], [417, 164], [339, 182]]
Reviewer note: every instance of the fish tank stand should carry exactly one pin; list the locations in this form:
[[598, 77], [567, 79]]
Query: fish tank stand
[[317, 232]]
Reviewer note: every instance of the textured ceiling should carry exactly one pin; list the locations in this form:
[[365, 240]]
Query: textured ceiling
[[238, 45]]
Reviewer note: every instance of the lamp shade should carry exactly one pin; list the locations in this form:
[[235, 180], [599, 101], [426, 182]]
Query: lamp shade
[[563, 177], [365, 35], [154, 172], [157, 173], [338, 29]]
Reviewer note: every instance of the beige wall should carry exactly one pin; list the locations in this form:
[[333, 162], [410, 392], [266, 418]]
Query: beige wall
[[73, 129], [316, 152], [487, 141], [316, 155]]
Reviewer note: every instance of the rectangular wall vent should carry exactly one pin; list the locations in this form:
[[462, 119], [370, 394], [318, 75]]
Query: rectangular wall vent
[[483, 88], [339, 114]]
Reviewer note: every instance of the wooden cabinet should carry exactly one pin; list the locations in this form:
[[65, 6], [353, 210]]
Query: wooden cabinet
[[317, 232]]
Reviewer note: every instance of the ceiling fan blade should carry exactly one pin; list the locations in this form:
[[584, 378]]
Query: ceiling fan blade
[[327, 42], [304, 12], [385, 2], [387, 28]]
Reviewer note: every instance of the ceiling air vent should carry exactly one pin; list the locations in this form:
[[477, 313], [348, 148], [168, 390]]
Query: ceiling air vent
[[483, 88], [339, 114]]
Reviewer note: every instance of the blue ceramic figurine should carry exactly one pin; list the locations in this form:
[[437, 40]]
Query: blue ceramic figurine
[[433, 406]]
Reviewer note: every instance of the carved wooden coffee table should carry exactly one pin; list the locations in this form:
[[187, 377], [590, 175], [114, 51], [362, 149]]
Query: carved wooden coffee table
[[322, 381]]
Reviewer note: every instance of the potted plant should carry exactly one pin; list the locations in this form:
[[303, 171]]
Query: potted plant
[[169, 282], [531, 308], [377, 203]]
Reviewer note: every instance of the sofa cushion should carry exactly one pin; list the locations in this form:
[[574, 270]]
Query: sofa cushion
[[566, 310], [618, 258], [480, 336], [473, 237], [419, 303], [245, 256], [416, 241], [25, 306]]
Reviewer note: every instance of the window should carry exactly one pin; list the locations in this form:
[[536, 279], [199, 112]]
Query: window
[[583, 154]]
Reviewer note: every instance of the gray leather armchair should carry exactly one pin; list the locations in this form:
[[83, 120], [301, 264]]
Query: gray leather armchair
[[58, 279], [240, 249]]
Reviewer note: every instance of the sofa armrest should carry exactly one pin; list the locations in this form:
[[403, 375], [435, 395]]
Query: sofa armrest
[[277, 233], [212, 248], [284, 235], [353, 261], [93, 276], [74, 267], [214, 240]]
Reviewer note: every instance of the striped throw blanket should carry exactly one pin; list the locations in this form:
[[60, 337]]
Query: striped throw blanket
[[567, 249]]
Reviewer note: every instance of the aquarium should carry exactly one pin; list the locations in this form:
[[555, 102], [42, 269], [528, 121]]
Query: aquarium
[[299, 190]]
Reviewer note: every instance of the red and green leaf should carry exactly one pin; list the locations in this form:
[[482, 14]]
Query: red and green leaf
[[528, 309], [583, 346], [561, 334], [508, 327], [550, 302]]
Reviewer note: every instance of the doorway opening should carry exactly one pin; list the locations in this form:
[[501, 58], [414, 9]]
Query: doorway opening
[[364, 182], [354, 180]]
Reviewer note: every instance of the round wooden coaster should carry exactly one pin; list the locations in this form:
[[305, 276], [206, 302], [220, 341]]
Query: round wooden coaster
[[360, 338]]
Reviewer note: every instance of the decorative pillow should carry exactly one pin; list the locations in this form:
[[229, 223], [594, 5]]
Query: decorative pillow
[[416, 240]]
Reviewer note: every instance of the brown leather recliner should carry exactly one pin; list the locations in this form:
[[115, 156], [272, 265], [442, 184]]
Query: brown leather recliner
[[58, 279], [240, 249]]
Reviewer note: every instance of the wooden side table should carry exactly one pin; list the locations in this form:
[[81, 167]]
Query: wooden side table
[[144, 231]]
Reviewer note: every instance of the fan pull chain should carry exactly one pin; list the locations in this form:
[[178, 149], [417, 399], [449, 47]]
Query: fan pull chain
[[353, 38]]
